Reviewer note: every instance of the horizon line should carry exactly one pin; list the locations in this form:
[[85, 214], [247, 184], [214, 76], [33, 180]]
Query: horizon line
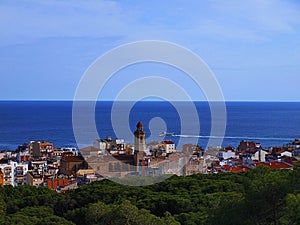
[[146, 100]]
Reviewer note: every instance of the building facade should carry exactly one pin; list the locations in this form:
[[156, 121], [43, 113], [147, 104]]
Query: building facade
[[13, 173], [41, 150]]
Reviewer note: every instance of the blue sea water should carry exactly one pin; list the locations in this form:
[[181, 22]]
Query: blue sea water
[[270, 123]]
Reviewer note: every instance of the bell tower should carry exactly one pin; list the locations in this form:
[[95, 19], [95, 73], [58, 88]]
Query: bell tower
[[139, 143]]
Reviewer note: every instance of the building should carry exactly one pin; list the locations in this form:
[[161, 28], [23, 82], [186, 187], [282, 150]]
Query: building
[[41, 150], [23, 156], [20, 174], [294, 144], [8, 173], [39, 167], [139, 144], [157, 161], [285, 153], [59, 152], [227, 153], [35, 179], [169, 146], [121, 161], [80, 173], [118, 147], [101, 144], [70, 164], [14, 173], [71, 150], [1, 178], [245, 145], [8, 155], [260, 155], [112, 166], [275, 165], [56, 183], [278, 152], [195, 165]]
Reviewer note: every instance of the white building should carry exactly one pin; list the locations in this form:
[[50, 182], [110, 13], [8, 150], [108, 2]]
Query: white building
[[39, 167], [294, 144], [8, 173], [20, 174], [14, 173], [169, 146], [286, 153], [226, 154], [100, 144], [260, 155]]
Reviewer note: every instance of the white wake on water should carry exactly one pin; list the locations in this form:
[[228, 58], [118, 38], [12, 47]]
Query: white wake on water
[[233, 137]]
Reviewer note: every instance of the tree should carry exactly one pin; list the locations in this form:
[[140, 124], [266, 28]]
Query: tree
[[292, 210], [98, 213], [168, 219], [265, 194], [2, 205], [124, 214]]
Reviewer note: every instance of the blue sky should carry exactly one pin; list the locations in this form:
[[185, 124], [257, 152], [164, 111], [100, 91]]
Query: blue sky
[[252, 46]]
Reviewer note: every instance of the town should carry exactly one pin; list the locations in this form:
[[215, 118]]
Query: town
[[39, 163]]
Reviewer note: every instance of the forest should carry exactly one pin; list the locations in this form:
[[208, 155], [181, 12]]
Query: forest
[[260, 196]]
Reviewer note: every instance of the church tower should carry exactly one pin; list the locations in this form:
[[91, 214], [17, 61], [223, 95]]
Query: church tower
[[139, 143]]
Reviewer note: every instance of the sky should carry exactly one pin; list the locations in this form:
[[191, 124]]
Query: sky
[[251, 46]]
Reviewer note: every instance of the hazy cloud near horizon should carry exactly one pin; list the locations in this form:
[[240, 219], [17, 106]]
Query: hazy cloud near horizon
[[252, 46]]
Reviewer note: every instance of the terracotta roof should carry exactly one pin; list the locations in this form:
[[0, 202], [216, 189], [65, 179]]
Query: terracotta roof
[[280, 165], [226, 167], [239, 169], [139, 124], [235, 169], [275, 165]]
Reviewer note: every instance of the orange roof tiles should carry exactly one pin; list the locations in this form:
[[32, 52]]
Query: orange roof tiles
[[275, 165]]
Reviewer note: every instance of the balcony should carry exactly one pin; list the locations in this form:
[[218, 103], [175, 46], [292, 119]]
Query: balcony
[[20, 179]]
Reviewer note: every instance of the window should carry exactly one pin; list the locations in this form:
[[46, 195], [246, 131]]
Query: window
[[117, 167], [110, 167], [124, 167]]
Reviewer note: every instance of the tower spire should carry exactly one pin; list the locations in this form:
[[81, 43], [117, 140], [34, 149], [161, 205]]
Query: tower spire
[[139, 143]]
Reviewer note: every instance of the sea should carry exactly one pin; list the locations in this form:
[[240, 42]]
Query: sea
[[269, 123]]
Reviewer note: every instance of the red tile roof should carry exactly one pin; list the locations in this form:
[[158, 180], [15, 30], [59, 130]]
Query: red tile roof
[[275, 165], [139, 124], [235, 169], [280, 165]]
